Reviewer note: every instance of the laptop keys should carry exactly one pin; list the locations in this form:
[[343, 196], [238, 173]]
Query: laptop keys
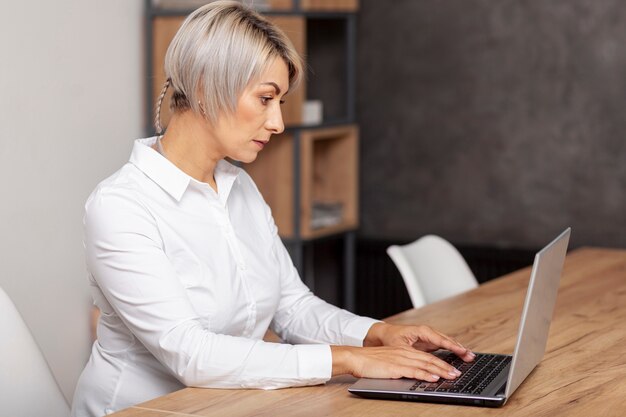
[[475, 377]]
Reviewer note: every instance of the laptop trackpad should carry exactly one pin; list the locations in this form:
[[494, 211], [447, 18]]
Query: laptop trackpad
[[401, 385]]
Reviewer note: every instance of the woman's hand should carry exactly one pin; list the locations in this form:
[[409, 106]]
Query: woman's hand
[[390, 362], [419, 337], [392, 351]]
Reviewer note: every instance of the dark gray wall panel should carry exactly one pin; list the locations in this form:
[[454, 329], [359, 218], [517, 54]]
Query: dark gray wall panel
[[493, 122]]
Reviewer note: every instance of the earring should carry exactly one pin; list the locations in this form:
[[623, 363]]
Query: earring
[[201, 108]]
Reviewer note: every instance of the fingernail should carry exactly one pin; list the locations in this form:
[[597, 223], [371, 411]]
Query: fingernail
[[472, 354], [455, 372], [435, 377]]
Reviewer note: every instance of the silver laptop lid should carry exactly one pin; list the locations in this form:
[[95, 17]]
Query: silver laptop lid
[[534, 327]]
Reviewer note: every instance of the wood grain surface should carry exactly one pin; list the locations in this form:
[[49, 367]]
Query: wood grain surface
[[583, 372]]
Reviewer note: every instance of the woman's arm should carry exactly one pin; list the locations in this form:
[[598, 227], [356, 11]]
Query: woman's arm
[[302, 317]]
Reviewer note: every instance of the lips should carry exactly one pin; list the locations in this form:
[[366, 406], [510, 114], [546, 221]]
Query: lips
[[260, 143]]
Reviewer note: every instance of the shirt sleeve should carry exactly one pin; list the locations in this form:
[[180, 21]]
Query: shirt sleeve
[[302, 317], [125, 255]]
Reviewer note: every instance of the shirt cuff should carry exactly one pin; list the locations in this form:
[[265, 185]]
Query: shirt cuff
[[315, 363], [354, 333]]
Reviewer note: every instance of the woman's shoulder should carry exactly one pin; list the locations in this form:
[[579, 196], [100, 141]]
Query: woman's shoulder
[[123, 189], [116, 208]]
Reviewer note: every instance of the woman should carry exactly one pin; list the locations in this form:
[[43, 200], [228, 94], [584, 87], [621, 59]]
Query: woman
[[183, 255]]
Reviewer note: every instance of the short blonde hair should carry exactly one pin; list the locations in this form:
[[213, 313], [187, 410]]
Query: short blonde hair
[[219, 49]]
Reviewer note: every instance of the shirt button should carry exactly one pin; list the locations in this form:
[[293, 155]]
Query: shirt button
[[241, 267]]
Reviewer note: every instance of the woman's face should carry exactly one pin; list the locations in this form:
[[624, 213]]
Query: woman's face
[[241, 135]]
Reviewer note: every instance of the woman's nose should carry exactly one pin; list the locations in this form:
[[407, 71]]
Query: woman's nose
[[275, 122]]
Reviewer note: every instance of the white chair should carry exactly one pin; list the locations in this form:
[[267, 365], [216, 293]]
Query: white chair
[[432, 269], [27, 387]]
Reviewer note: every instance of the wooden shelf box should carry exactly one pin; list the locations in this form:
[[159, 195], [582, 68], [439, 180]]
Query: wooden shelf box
[[267, 5], [330, 5], [328, 175], [260, 5]]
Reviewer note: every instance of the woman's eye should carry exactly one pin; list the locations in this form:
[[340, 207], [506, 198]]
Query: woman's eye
[[265, 100]]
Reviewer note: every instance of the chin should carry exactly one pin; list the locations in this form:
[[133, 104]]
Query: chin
[[247, 159]]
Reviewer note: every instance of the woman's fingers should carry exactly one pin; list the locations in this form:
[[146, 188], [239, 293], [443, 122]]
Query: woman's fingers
[[397, 362], [420, 337], [461, 351], [437, 340], [422, 365], [452, 345], [430, 363], [408, 372]]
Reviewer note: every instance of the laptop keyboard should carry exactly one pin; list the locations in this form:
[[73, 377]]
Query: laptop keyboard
[[475, 377]]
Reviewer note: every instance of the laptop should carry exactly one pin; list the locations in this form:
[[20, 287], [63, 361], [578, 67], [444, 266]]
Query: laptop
[[491, 379]]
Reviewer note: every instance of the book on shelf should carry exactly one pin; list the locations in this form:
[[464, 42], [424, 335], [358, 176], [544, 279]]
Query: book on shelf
[[325, 214]]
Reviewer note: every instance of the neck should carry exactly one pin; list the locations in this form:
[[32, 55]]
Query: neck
[[188, 144]]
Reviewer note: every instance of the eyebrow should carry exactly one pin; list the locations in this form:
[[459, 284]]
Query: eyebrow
[[273, 84]]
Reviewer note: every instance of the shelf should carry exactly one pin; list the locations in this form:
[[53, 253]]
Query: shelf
[[330, 5], [190, 5], [328, 175], [184, 7], [325, 124]]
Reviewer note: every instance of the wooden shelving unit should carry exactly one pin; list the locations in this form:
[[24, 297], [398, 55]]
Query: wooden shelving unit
[[307, 170]]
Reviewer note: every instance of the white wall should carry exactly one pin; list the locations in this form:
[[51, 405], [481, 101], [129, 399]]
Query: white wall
[[71, 100]]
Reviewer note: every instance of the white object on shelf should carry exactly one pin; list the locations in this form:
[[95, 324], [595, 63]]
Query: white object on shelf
[[312, 111]]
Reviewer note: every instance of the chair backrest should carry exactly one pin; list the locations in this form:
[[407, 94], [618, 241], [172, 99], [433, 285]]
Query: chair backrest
[[27, 387], [432, 269]]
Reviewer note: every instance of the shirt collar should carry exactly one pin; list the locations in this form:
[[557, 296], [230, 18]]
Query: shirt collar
[[170, 178], [225, 176]]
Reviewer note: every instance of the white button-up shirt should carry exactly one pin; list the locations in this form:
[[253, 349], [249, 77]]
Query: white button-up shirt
[[188, 280]]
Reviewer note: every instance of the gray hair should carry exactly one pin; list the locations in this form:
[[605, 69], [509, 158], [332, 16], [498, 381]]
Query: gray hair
[[219, 49]]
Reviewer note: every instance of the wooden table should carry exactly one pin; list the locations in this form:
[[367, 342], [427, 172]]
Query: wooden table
[[583, 372]]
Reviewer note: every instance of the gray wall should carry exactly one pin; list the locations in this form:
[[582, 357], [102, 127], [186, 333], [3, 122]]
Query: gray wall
[[493, 121], [70, 106]]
